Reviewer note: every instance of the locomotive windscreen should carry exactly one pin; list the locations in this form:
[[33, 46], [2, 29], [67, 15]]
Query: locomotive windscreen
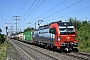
[[66, 28]]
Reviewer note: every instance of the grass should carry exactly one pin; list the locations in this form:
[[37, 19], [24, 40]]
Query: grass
[[84, 47], [3, 50], [86, 50]]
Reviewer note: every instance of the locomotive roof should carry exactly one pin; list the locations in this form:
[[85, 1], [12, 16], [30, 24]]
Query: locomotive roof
[[44, 27], [64, 23], [58, 22]]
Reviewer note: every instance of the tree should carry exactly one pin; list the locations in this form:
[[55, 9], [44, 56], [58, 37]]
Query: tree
[[0, 31], [28, 29], [75, 22], [84, 22], [2, 38], [71, 20]]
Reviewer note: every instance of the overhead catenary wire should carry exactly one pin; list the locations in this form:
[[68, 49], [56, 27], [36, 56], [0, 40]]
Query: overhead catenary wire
[[35, 5], [29, 8], [35, 9], [73, 12], [51, 9], [69, 7], [19, 6], [2, 19], [38, 6], [63, 9], [23, 6]]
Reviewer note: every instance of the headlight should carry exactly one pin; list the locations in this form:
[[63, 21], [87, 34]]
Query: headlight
[[71, 43], [75, 43], [58, 38]]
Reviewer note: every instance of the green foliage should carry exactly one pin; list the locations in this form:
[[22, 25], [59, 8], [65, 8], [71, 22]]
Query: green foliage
[[83, 34], [3, 50], [28, 29], [2, 38], [75, 22], [0, 31]]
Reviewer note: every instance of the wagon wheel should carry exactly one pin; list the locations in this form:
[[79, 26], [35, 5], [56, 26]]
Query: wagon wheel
[[46, 45]]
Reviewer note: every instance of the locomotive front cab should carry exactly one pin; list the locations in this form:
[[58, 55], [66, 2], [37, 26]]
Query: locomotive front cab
[[67, 36]]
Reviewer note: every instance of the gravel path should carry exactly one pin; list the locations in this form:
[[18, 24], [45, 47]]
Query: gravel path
[[12, 54]]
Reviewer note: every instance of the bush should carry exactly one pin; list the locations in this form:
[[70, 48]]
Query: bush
[[2, 38]]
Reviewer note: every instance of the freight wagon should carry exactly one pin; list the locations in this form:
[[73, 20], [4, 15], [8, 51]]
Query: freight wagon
[[20, 36], [58, 35], [28, 36]]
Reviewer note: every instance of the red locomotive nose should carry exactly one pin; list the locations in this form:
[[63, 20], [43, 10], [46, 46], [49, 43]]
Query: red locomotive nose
[[68, 38]]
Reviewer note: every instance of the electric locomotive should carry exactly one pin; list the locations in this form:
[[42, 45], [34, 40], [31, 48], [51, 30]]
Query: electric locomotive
[[58, 35]]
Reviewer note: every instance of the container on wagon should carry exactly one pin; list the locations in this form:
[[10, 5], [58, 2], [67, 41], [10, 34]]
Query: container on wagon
[[28, 36]]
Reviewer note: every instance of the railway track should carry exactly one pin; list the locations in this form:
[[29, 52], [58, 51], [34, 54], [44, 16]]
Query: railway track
[[84, 54], [33, 57], [79, 56], [24, 55], [56, 55]]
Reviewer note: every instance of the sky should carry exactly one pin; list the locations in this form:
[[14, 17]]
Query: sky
[[30, 11]]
